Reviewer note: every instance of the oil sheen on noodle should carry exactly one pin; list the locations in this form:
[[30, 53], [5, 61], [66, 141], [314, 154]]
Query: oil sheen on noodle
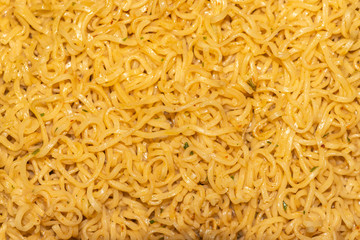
[[161, 119]]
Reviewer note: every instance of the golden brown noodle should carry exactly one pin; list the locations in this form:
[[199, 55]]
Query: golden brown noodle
[[160, 119]]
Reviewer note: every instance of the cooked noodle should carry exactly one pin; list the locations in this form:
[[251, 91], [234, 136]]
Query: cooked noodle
[[188, 119]]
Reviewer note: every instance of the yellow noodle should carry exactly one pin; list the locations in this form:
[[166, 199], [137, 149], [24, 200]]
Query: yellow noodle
[[164, 119]]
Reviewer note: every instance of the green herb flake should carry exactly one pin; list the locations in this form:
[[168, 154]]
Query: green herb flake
[[42, 114], [56, 129], [36, 151], [162, 238], [124, 39], [204, 182], [313, 169], [186, 145], [84, 110], [161, 210], [276, 145], [205, 37], [192, 153], [141, 38], [73, 3], [12, 186], [152, 221], [285, 206], [325, 135], [232, 177], [162, 59], [268, 142], [251, 84], [304, 212], [348, 139]]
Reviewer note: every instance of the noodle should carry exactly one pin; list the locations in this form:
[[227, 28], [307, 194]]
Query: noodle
[[162, 119]]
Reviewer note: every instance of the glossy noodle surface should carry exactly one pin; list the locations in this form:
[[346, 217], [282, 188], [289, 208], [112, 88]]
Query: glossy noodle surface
[[188, 119]]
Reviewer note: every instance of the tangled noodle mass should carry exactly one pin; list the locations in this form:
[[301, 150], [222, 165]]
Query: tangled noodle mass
[[179, 119]]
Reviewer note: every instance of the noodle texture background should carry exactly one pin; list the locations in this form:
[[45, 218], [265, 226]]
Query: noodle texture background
[[179, 119]]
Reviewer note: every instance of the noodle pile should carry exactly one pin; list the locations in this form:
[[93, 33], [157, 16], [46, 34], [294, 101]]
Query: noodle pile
[[186, 119]]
